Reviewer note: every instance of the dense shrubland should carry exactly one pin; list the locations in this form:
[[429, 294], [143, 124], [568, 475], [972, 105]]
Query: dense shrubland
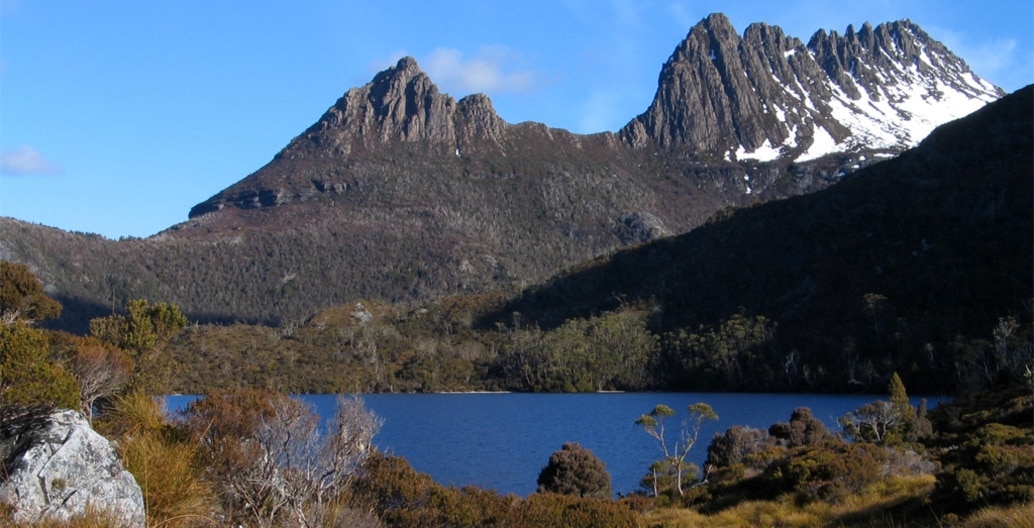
[[440, 346]]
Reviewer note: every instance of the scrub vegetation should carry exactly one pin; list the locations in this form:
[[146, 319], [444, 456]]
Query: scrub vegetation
[[256, 457]]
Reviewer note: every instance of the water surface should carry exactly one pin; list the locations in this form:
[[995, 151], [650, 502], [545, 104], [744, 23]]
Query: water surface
[[502, 441]]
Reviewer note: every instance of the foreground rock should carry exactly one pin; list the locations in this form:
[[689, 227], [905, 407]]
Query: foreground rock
[[66, 469]]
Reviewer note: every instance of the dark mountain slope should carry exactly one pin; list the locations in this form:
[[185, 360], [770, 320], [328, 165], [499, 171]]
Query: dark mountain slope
[[886, 268]]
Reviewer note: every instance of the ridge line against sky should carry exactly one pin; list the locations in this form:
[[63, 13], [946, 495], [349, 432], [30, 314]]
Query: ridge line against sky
[[117, 116]]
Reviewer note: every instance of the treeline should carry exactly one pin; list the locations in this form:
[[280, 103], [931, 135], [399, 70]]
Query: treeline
[[439, 346]]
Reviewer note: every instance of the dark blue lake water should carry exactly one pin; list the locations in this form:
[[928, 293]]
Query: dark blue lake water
[[502, 441]]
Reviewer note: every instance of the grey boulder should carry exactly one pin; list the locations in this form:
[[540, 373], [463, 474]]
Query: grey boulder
[[67, 469]]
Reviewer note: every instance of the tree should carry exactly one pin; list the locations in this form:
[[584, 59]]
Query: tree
[[890, 421], [100, 369], [22, 296], [734, 445], [269, 458], [142, 332], [674, 456], [27, 374], [574, 470]]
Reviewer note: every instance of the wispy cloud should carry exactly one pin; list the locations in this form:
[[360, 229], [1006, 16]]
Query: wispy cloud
[[26, 160], [493, 69]]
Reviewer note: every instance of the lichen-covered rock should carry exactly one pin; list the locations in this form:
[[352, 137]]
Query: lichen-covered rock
[[67, 468]]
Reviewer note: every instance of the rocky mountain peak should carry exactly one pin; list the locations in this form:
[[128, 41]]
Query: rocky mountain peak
[[766, 95], [400, 105], [761, 96]]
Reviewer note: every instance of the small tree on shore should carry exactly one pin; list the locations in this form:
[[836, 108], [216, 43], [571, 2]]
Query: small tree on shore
[[887, 422], [675, 454]]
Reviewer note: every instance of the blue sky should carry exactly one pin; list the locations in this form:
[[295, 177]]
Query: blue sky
[[116, 117]]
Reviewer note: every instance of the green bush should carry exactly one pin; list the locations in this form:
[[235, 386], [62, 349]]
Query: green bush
[[734, 445], [27, 375]]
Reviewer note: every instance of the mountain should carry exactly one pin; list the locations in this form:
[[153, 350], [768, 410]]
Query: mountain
[[914, 264], [921, 265], [766, 95], [400, 192]]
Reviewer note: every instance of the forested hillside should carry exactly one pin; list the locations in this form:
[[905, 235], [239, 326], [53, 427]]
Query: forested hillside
[[920, 265]]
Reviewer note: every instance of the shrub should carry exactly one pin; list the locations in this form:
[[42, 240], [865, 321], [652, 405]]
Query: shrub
[[562, 511], [22, 297], [574, 470], [802, 430], [27, 374], [268, 458], [734, 445], [827, 471]]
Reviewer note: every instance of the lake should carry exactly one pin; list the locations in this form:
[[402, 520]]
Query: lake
[[502, 441]]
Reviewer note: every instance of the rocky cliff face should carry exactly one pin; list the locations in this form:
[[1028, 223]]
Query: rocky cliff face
[[67, 468], [766, 95]]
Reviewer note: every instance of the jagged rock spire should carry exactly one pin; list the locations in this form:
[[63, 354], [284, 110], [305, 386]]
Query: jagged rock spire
[[401, 104]]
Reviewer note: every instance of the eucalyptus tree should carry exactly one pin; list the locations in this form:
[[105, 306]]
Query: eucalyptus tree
[[675, 453]]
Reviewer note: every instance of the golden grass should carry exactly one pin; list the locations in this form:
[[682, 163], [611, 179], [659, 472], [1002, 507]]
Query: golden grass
[[175, 495], [1016, 516], [784, 512], [131, 414]]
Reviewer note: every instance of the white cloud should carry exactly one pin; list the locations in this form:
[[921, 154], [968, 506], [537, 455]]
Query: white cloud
[[26, 160], [490, 70]]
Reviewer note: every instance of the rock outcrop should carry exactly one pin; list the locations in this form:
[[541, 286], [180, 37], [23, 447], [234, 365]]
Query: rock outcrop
[[67, 468]]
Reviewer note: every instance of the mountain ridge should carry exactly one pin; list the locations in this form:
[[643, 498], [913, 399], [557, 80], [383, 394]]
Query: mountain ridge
[[804, 93], [400, 192]]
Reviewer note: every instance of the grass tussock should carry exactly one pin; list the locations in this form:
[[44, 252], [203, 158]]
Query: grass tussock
[[132, 414], [174, 493], [164, 463]]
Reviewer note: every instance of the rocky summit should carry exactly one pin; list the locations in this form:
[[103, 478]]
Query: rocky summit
[[401, 192], [767, 95]]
